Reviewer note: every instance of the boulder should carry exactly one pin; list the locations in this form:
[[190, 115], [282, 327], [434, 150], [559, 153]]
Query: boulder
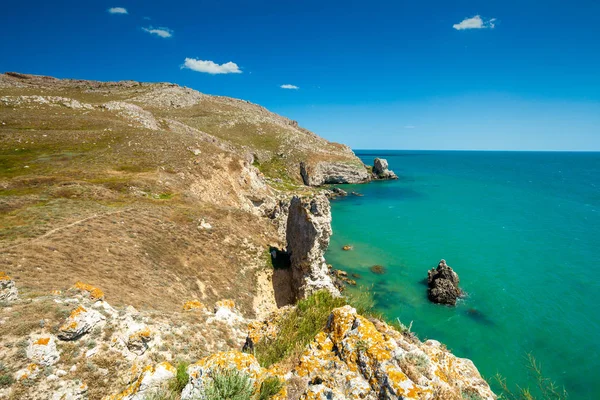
[[42, 350], [8, 289], [225, 311], [137, 342], [80, 322], [308, 232], [443, 284], [381, 171]]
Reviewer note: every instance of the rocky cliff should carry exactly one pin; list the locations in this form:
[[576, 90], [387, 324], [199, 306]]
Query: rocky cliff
[[170, 200], [307, 235]]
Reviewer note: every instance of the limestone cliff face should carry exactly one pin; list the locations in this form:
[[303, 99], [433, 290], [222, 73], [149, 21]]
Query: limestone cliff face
[[331, 172], [307, 234]]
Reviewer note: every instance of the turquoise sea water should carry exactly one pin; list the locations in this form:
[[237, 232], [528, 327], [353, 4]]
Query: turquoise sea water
[[522, 229]]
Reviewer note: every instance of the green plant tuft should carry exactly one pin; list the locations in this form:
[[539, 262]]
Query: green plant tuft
[[269, 388], [229, 385], [181, 378]]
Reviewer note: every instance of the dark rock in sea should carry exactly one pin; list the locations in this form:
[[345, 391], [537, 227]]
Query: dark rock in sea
[[356, 194], [378, 269], [381, 171], [347, 247], [356, 276], [443, 284]]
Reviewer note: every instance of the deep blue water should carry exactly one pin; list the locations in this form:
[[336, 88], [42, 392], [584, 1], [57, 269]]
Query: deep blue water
[[522, 229]]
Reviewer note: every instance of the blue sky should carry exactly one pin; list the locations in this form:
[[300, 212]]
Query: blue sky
[[440, 74]]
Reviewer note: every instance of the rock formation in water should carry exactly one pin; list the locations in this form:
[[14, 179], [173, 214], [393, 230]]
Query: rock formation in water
[[381, 171], [326, 172], [307, 235], [443, 284]]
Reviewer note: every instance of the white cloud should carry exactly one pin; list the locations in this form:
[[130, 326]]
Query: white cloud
[[117, 10], [475, 23], [162, 32], [288, 86], [211, 67]]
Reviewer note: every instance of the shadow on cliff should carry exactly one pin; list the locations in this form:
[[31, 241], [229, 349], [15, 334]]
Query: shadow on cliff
[[282, 277]]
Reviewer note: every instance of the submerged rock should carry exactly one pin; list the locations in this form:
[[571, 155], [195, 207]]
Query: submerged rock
[[378, 269], [308, 232], [381, 171], [443, 284]]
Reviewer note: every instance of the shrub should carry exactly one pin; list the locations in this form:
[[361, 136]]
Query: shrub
[[229, 385], [269, 388]]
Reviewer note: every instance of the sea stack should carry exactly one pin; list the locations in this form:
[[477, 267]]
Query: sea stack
[[381, 171], [443, 284]]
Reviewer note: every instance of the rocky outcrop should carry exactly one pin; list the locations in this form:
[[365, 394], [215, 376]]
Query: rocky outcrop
[[381, 171], [80, 322], [443, 284], [322, 172], [8, 289], [359, 358], [308, 232]]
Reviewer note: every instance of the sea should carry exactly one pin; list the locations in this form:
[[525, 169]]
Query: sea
[[521, 229]]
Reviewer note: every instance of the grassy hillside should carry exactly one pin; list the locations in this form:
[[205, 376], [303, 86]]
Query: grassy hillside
[[109, 182]]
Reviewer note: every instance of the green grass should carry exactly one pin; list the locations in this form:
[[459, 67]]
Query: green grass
[[229, 385], [181, 378], [298, 328]]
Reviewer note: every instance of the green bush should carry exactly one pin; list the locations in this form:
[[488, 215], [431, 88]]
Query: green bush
[[229, 385], [269, 388]]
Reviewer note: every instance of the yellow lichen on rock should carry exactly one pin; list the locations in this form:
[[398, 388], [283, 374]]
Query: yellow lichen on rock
[[150, 381], [193, 305], [92, 291], [42, 341], [230, 304], [4, 277]]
